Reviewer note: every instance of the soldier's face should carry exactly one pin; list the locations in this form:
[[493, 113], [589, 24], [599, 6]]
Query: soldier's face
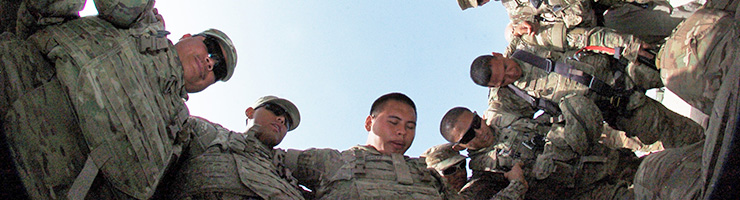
[[197, 66], [392, 130], [272, 127], [484, 136], [504, 71]]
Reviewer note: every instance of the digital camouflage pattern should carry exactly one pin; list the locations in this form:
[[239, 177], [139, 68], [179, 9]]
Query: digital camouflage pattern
[[234, 165], [665, 125], [364, 173], [699, 63], [555, 36], [31, 94], [120, 107], [690, 61], [572, 163], [671, 174]]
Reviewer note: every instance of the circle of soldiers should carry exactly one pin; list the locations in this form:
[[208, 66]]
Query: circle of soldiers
[[93, 108]]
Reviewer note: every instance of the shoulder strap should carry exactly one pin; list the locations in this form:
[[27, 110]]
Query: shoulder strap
[[543, 104], [567, 70]]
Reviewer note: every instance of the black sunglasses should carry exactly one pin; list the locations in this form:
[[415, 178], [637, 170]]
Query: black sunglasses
[[215, 53], [470, 134], [278, 111], [454, 169]]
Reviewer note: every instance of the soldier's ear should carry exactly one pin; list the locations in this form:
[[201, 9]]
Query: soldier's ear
[[249, 113], [368, 122]]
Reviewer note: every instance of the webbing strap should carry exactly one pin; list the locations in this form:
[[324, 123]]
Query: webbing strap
[[84, 180], [568, 71], [543, 104], [403, 175]]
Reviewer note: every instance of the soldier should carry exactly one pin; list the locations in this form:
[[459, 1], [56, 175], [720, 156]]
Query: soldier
[[543, 85], [95, 105], [569, 164], [378, 170], [451, 165], [699, 63], [241, 165]]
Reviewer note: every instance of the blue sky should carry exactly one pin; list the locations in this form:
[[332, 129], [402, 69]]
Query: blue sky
[[334, 58]]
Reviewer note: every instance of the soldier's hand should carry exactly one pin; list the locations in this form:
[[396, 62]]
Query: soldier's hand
[[524, 28], [515, 173], [643, 51]]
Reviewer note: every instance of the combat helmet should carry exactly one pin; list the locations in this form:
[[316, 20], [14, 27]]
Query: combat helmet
[[229, 48]]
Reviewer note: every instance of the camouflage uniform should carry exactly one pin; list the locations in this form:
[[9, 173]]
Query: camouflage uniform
[[672, 129], [234, 165], [364, 173], [570, 164], [651, 23], [105, 122], [699, 63], [441, 157]]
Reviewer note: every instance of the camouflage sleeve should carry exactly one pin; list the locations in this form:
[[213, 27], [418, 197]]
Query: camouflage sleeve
[[605, 37], [199, 133], [125, 13], [506, 109], [515, 191], [311, 165]]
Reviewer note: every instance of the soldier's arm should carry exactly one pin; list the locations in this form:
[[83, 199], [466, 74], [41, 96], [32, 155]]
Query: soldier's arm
[[127, 13], [198, 133], [517, 185], [628, 46], [505, 109], [311, 165]]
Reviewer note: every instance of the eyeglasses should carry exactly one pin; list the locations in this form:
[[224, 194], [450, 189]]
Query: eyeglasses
[[278, 111], [215, 53], [454, 169], [470, 134]]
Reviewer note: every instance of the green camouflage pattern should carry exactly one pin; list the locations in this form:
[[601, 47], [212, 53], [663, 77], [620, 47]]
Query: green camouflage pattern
[[364, 173], [234, 164], [583, 123], [697, 56], [46, 156], [699, 63], [645, 118], [124, 13], [571, 12], [671, 174], [129, 105], [34, 15], [556, 37], [507, 151]]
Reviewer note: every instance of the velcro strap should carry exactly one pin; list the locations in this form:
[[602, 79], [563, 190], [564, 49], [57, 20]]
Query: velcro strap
[[594, 159], [153, 41], [291, 159], [84, 180], [403, 175]]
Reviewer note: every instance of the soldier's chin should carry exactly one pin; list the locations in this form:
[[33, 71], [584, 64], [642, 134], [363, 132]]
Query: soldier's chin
[[195, 88]]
